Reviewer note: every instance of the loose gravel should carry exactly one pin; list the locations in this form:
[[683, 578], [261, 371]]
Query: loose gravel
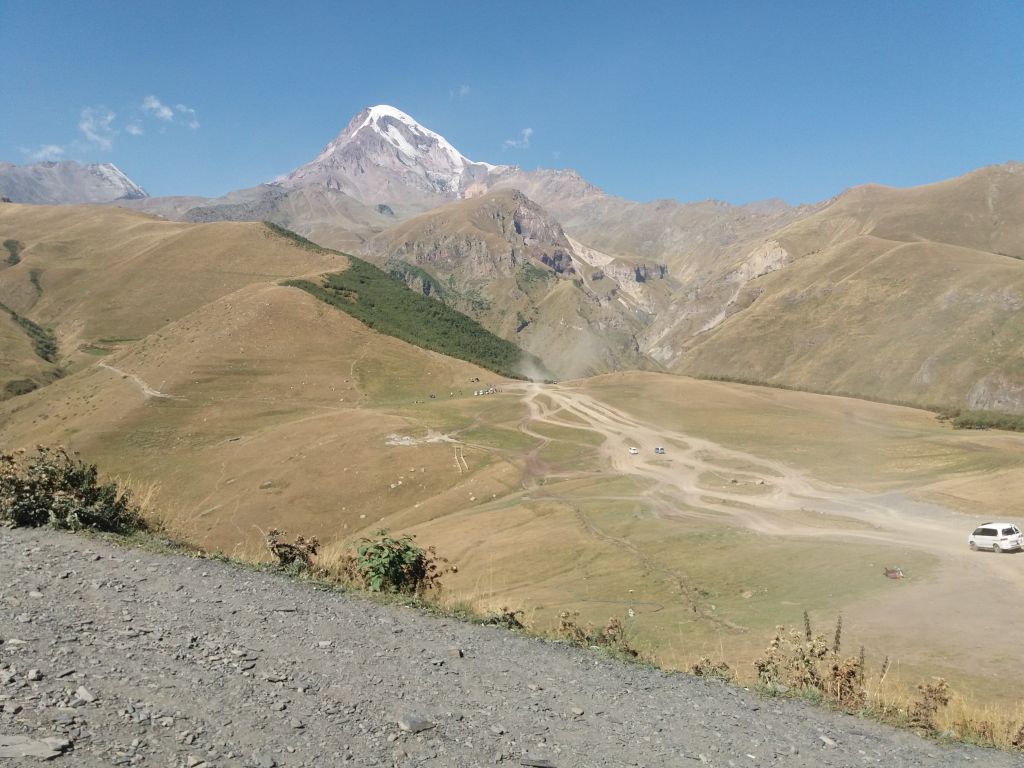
[[113, 656]]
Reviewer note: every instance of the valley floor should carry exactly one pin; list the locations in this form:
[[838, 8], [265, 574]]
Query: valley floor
[[148, 659]]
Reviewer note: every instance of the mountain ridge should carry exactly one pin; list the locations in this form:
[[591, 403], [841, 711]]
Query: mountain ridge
[[67, 182]]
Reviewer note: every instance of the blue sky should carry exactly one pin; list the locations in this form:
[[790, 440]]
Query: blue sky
[[736, 101]]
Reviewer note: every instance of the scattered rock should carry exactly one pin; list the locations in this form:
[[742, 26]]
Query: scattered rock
[[414, 723], [25, 746], [83, 694]]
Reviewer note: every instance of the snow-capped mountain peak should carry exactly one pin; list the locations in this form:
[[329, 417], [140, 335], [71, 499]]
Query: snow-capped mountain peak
[[384, 155], [383, 118]]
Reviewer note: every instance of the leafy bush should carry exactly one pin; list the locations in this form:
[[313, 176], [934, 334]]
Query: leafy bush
[[387, 564], [51, 488]]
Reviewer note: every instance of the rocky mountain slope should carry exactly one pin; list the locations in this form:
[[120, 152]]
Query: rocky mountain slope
[[117, 656], [505, 261], [56, 183]]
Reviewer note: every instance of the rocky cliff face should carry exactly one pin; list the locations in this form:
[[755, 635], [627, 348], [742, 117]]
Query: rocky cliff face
[[58, 183], [505, 261]]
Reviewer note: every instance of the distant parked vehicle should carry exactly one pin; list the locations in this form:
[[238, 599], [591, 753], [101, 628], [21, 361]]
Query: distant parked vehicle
[[633, 450], [660, 451], [999, 537]]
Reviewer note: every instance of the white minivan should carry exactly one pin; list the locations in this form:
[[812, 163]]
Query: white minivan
[[999, 537]]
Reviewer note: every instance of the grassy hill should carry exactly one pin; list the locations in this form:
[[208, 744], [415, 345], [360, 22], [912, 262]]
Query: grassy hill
[[903, 295], [388, 306], [98, 276]]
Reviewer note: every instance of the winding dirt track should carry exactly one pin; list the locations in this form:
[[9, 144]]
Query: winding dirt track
[[701, 479]]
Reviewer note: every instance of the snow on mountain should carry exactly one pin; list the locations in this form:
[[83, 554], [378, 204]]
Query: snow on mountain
[[385, 156], [56, 183]]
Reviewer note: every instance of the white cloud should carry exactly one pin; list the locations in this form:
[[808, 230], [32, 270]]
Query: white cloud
[[44, 152], [134, 129], [160, 110], [96, 124], [460, 92], [523, 142], [190, 114]]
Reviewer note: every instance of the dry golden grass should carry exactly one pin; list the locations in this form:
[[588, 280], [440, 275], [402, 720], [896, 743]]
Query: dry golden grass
[[273, 410]]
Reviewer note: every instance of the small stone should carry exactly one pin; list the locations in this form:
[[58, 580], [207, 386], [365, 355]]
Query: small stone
[[278, 706], [497, 730], [83, 694], [325, 643], [296, 723], [577, 711], [35, 593], [34, 675], [536, 762], [167, 722], [456, 653], [827, 741], [263, 760], [414, 723]]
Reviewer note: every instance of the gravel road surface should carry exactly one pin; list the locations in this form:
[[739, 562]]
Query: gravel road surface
[[113, 656]]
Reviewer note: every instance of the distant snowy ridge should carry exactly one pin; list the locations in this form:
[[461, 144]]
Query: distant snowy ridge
[[67, 182]]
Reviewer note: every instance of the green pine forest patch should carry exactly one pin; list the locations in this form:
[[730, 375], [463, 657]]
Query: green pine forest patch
[[387, 305]]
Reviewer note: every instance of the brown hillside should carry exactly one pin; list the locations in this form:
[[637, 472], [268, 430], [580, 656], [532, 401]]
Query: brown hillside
[[264, 407], [909, 295], [101, 275]]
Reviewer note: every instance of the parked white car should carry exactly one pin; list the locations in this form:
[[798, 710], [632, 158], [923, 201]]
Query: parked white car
[[999, 537], [633, 450]]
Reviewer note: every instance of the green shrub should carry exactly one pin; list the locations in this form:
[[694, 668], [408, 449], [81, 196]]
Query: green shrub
[[51, 488], [387, 564], [16, 387], [44, 342], [13, 248]]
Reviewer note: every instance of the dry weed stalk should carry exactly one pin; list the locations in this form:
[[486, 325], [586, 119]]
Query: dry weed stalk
[[297, 555], [806, 662], [932, 697], [613, 636]]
